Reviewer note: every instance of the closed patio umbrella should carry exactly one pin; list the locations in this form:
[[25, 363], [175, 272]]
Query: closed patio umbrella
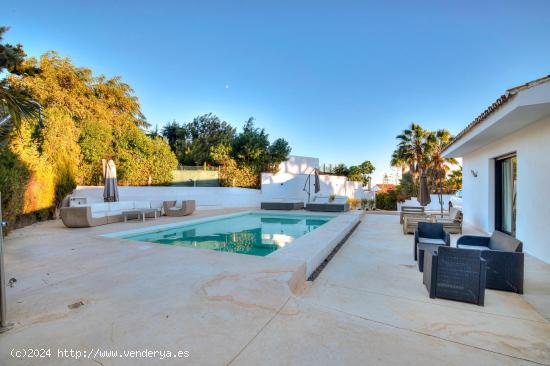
[[110, 192], [423, 191], [317, 184]]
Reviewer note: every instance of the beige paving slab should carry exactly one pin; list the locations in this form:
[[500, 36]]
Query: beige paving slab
[[304, 334], [521, 338]]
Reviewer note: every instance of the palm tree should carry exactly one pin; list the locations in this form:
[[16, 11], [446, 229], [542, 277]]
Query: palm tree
[[15, 103], [412, 151], [438, 166]]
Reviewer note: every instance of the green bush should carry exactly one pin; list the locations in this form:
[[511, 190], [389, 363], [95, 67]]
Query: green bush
[[14, 176], [387, 200]]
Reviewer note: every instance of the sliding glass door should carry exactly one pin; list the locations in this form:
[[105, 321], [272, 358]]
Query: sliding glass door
[[505, 190]]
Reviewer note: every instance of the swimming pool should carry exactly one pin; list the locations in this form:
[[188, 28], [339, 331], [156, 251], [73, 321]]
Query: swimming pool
[[253, 233]]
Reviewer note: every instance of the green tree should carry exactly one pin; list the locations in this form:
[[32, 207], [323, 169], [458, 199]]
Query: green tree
[[341, 169], [361, 173], [15, 102], [438, 166], [249, 154], [193, 141], [455, 181], [86, 118], [412, 150]]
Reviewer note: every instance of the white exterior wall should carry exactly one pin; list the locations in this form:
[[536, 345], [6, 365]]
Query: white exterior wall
[[284, 185], [205, 197], [432, 206], [532, 145], [298, 165]]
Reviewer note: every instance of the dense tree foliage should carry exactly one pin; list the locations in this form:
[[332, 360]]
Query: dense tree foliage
[[358, 173], [241, 156], [15, 102], [192, 142], [420, 151], [86, 118]]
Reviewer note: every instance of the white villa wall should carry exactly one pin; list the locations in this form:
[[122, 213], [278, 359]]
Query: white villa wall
[[299, 165], [284, 185], [205, 197], [432, 206], [532, 146]]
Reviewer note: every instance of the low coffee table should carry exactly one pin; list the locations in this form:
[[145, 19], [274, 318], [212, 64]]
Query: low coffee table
[[429, 245], [140, 212]]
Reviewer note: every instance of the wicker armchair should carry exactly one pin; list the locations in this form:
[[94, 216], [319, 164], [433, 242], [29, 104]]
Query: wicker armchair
[[178, 208], [455, 274], [429, 230], [504, 256]]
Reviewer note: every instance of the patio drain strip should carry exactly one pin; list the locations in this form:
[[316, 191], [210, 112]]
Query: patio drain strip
[[319, 269]]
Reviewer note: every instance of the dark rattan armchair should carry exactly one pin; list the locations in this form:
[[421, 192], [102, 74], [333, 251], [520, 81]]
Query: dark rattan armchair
[[504, 256], [429, 230], [455, 274]]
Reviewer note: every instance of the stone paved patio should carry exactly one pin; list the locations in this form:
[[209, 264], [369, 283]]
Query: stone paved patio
[[368, 306]]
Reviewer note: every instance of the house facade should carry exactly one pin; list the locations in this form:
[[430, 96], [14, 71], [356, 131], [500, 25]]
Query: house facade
[[506, 166]]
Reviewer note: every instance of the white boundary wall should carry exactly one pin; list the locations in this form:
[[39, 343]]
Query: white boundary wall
[[291, 186], [434, 205], [205, 197]]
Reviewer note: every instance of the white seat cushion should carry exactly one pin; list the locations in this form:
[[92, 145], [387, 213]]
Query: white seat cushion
[[97, 207], [96, 214], [156, 204], [431, 241], [121, 206], [142, 204], [475, 247]]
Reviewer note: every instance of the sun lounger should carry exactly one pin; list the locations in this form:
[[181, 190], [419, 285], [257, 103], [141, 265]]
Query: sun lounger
[[321, 203], [282, 204]]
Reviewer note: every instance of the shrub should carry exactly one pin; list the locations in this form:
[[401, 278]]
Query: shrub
[[14, 176], [387, 200], [354, 202]]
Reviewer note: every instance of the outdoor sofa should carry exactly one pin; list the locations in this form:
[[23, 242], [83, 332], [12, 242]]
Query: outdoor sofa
[[451, 222], [179, 208], [323, 203], [102, 213], [410, 210], [455, 274], [282, 204], [504, 256]]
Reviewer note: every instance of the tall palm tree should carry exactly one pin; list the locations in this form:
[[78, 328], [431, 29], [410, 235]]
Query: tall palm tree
[[412, 150], [438, 166]]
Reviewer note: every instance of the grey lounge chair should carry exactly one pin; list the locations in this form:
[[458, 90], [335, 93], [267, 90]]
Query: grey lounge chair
[[178, 208], [322, 203], [504, 256], [282, 204], [455, 274]]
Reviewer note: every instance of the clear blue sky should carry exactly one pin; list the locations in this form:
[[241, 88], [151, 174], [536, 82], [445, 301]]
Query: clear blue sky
[[339, 80]]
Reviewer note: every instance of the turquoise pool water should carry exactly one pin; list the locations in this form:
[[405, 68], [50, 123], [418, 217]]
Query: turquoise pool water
[[250, 233]]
